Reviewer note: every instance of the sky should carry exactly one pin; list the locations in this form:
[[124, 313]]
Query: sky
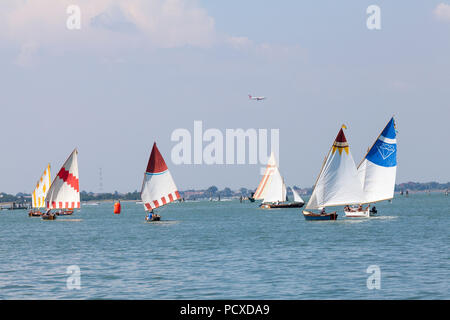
[[137, 70]]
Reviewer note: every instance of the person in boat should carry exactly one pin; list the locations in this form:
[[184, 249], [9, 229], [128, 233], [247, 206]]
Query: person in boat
[[360, 208], [322, 211], [347, 208], [150, 215], [48, 213]]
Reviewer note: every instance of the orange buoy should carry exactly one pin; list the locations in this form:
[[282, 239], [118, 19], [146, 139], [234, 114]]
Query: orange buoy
[[117, 207]]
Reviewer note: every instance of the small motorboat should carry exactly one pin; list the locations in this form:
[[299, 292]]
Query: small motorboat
[[320, 216]]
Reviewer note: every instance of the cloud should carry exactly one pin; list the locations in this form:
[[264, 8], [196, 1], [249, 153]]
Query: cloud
[[442, 12], [157, 23], [116, 26]]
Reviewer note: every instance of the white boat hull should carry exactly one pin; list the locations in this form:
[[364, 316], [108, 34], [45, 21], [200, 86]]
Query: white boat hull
[[357, 214]]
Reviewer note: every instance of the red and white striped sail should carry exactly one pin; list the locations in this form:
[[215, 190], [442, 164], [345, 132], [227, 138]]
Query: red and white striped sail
[[158, 187], [64, 192], [260, 192]]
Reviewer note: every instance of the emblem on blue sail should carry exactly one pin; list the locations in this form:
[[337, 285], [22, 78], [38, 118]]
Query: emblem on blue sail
[[377, 171], [384, 151]]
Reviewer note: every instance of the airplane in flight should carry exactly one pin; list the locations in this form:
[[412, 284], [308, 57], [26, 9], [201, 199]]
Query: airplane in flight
[[256, 98]]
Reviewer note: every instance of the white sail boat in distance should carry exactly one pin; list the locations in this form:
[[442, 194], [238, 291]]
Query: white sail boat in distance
[[377, 171], [158, 187], [64, 192], [272, 189], [266, 179], [337, 184]]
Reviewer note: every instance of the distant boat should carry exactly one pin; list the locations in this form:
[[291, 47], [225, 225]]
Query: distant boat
[[158, 187], [274, 189], [337, 184], [377, 171], [64, 192], [39, 193], [266, 179]]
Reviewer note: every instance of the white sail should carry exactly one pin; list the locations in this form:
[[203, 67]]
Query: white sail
[[378, 169], [297, 197], [338, 183], [260, 192], [64, 192], [40, 192], [276, 192], [158, 187]]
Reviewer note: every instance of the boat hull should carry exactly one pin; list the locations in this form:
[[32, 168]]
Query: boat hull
[[49, 216], [65, 213], [316, 216], [35, 214], [158, 218], [281, 205], [357, 214]]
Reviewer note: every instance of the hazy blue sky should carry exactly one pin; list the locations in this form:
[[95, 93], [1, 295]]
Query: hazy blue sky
[[139, 69]]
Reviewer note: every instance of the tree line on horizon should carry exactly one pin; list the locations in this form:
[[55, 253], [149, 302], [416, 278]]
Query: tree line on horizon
[[214, 192]]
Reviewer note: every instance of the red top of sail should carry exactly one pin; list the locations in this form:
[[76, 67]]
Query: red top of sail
[[156, 163], [341, 136]]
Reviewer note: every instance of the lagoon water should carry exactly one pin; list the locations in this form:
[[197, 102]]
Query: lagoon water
[[229, 250]]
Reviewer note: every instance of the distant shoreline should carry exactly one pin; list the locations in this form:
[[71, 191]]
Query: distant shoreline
[[214, 192]]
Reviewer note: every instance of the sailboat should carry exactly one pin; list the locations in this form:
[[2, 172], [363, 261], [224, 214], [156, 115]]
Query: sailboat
[[377, 171], [297, 198], [272, 189], [39, 193], [158, 187], [266, 179], [337, 184], [64, 192]]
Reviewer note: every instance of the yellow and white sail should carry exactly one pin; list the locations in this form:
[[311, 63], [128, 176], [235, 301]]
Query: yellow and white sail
[[42, 186]]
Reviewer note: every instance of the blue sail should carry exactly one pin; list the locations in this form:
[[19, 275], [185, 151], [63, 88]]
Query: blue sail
[[377, 171], [384, 151]]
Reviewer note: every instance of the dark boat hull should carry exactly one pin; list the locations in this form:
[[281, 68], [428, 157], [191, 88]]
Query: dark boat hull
[[315, 216], [153, 219], [282, 205], [48, 216], [64, 213]]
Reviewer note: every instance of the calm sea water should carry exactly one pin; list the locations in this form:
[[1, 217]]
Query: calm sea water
[[229, 250]]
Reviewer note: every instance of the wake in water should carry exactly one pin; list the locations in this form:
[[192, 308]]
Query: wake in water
[[163, 223]]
